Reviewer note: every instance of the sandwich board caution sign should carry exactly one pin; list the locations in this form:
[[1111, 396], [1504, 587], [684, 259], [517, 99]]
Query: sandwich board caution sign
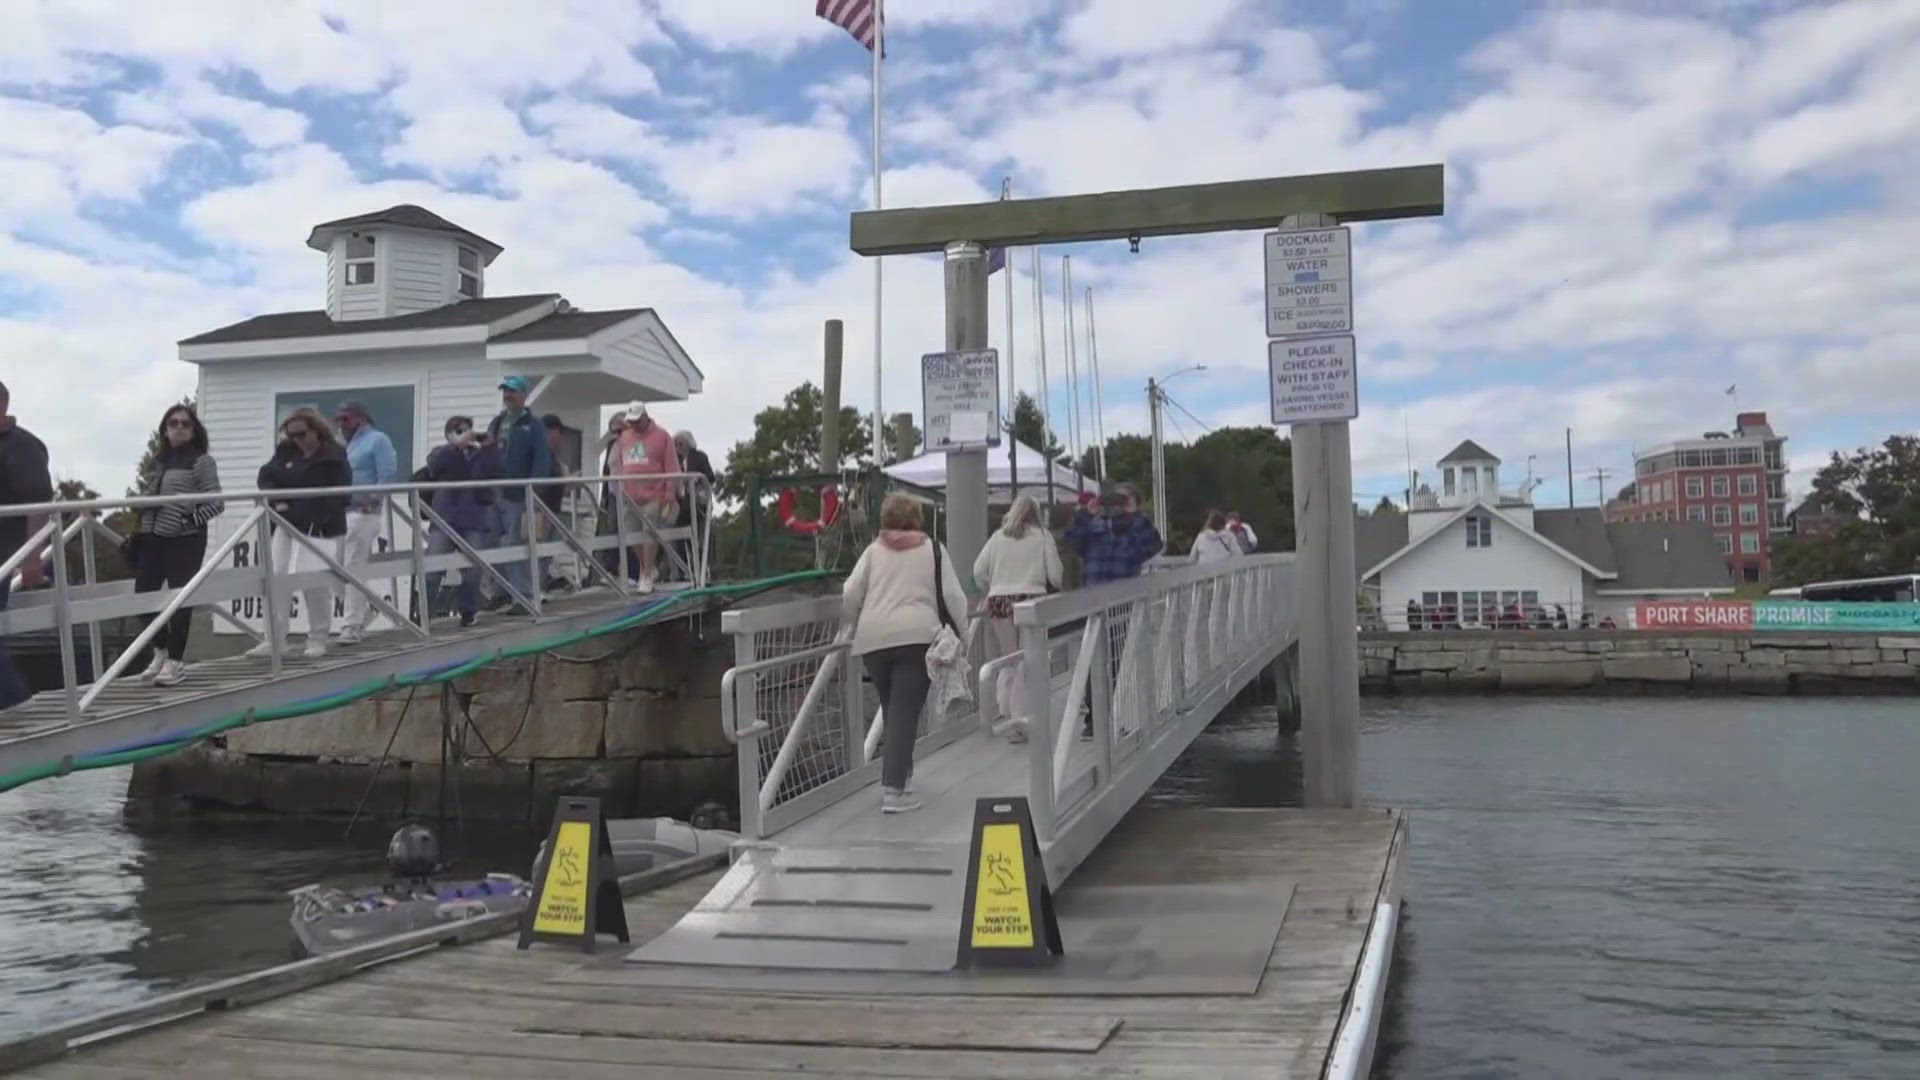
[[1007, 919], [576, 895]]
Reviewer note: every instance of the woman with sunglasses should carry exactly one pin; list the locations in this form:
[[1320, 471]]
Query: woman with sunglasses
[[171, 541], [308, 457]]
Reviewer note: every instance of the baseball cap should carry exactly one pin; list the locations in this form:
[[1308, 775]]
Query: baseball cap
[[636, 410], [514, 383]]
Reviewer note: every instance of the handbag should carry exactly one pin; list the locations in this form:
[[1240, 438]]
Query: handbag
[[940, 591]]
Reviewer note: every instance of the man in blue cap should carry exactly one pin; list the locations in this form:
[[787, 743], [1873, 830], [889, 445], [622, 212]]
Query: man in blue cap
[[524, 455]]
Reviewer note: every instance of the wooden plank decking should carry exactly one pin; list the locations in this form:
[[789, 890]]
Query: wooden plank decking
[[487, 1011]]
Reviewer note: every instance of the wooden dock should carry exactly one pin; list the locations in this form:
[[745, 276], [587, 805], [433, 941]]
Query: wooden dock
[[485, 1010]]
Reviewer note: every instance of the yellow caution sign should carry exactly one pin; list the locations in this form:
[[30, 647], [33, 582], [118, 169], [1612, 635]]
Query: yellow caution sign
[[576, 896], [561, 907], [1001, 912], [1008, 914]]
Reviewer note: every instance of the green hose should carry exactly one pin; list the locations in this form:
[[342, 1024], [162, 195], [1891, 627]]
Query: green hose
[[673, 603]]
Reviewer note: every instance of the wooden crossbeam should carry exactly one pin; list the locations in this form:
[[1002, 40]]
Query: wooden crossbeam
[[1364, 195]]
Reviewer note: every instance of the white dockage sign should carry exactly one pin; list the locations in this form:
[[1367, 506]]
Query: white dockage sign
[[1309, 282], [960, 399], [1313, 379]]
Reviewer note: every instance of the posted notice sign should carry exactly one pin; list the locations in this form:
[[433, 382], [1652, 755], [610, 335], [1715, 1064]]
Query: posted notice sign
[[960, 399], [1309, 281], [1313, 379]]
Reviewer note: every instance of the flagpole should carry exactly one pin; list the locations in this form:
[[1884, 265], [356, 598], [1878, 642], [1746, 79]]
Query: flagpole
[[1040, 352], [1013, 440], [879, 47]]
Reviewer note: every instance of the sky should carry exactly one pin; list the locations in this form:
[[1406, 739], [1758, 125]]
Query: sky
[[1647, 202]]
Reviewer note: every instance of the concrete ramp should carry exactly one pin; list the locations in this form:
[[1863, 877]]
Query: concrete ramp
[[879, 907]]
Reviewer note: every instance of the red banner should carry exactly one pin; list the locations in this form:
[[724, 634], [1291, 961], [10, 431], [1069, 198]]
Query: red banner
[[1694, 615]]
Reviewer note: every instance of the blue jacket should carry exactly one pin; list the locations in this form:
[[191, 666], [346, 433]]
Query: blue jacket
[[523, 450], [1112, 548], [370, 455], [465, 509]]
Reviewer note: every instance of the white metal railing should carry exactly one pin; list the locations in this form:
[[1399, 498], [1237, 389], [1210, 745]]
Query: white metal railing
[[796, 706], [1138, 657], [1150, 655], [395, 582]]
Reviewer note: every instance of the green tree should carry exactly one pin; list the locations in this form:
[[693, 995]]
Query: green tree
[[1874, 497], [107, 563], [149, 466], [786, 441], [1385, 508], [1244, 469], [1032, 430]]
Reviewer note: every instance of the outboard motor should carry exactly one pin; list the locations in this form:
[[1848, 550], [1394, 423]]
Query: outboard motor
[[414, 852]]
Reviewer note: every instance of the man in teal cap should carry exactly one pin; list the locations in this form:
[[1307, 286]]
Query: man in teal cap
[[524, 455]]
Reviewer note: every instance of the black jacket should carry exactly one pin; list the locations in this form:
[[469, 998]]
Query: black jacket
[[697, 462], [322, 516]]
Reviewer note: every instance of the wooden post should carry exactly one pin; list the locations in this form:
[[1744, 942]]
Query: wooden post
[[902, 436], [830, 403], [966, 280], [1325, 581]]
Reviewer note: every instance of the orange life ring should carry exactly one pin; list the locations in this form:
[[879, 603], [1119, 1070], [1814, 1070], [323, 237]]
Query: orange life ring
[[799, 526]]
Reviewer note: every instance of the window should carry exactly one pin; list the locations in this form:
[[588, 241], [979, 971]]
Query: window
[[359, 264], [1749, 513], [1750, 543], [1776, 487], [1723, 515], [1752, 573], [1749, 485], [1666, 491], [1696, 488], [1446, 479], [1692, 459], [1720, 487], [469, 273], [1479, 531], [1644, 467], [1697, 513], [1469, 480], [1777, 516], [1725, 542], [1646, 492]]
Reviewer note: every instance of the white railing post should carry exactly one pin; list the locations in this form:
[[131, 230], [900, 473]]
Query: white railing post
[[747, 704], [63, 619], [90, 571], [1100, 697], [1146, 668], [269, 599], [417, 530], [1041, 730], [535, 579]]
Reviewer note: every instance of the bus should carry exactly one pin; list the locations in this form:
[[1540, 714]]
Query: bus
[[1897, 588]]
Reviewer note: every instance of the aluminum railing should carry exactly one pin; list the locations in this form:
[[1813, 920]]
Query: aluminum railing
[[1150, 655], [575, 536]]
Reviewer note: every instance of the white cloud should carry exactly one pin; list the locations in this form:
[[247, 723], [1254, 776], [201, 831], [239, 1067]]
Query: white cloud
[[1116, 28]]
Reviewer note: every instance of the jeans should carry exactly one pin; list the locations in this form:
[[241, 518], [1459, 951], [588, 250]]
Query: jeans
[[510, 530], [170, 562], [13, 688], [356, 550], [900, 674], [441, 543]]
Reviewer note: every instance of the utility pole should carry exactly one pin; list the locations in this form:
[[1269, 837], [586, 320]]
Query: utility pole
[[966, 280], [1078, 446], [1569, 468], [1600, 474]]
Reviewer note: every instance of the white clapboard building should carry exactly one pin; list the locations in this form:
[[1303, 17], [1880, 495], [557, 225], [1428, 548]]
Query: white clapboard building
[[409, 329], [1474, 549]]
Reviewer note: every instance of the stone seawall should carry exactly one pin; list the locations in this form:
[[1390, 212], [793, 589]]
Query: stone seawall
[[633, 718], [1556, 660]]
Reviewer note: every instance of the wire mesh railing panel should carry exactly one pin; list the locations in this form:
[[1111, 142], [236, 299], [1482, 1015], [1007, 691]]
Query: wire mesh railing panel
[[821, 751]]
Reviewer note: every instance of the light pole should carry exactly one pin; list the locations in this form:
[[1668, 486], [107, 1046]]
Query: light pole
[[1156, 397]]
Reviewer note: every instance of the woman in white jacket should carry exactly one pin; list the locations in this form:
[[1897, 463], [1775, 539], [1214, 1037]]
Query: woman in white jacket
[[895, 614], [1019, 562], [1215, 542]]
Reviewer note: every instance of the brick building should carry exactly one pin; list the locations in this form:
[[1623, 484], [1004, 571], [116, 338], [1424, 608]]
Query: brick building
[[1734, 482]]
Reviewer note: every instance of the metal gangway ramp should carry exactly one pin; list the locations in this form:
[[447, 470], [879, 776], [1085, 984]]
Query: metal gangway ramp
[[113, 718], [822, 879]]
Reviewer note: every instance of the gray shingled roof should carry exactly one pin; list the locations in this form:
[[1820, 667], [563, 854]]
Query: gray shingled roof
[[1582, 531], [1667, 555], [1468, 450], [1375, 538], [406, 215], [299, 324], [573, 324]]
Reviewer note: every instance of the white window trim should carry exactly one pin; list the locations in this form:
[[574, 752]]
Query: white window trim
[[1696, 488], [1749, 514], [1723, 515], [1749, 485], [1749, 538], [1721, 487]]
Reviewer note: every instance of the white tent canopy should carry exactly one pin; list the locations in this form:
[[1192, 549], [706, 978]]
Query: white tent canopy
[[930, 471]]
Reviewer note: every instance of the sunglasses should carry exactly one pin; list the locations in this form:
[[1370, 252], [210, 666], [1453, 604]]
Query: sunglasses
[[180, 422], [302, 433]]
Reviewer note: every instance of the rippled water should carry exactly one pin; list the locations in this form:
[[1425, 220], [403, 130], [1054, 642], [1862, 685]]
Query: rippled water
[[1629, 887], [1615, 887]]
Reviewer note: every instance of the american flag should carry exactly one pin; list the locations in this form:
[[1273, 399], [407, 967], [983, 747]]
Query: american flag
[[861, 18]]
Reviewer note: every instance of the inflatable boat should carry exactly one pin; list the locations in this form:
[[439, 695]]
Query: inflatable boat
[[327, 919]]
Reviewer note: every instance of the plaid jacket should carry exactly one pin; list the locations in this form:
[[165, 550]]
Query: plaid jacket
[[1112, 548]]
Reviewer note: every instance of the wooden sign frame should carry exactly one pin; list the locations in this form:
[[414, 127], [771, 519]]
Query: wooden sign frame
[[593, 889]]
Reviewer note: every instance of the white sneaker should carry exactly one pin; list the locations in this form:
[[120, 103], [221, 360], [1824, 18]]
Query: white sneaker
[[352, 635], [261, 651], [645, 584], [897, 802], [316, 648], [154, 669], [170, 674]]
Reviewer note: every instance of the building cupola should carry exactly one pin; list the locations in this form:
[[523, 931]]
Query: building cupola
[[400, 260], [1469, 473]]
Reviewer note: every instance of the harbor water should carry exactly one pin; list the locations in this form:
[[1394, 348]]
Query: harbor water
[[1598, 887]]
